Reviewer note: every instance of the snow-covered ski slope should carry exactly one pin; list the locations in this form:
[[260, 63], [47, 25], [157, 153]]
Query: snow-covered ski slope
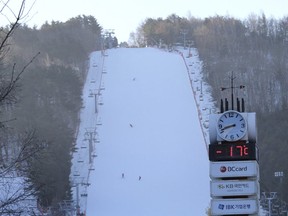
[[151, 153]]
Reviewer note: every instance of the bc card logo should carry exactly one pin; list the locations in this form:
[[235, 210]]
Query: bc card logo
[[233, 169], [223, 169]]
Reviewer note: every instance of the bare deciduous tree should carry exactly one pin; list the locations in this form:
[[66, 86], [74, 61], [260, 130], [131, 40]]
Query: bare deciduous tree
[[13, 186]]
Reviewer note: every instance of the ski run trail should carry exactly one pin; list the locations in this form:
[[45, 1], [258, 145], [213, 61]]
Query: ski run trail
[[142, 140]]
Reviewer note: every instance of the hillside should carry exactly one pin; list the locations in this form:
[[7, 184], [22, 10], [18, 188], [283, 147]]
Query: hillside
[[151, 153]]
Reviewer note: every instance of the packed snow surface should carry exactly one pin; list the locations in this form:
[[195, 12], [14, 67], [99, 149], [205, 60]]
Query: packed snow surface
[[149, 156]]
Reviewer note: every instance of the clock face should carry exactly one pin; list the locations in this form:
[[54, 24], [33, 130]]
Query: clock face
[[231, 126]]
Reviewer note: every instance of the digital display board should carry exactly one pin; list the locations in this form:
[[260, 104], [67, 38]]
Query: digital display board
[[233, 152]]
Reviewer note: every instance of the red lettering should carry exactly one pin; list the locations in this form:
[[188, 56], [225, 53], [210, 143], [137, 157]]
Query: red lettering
[[241, 150], [231, 151], [245, 150]]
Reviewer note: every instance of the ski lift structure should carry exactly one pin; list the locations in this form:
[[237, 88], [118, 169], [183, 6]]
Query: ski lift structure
[[75, 149], [85, 184], [90, 135], [104, 71], [80, 159], [84, 144], [100, 102], [99, 122], [84, 195], [93, 93], [91, 168], [76, 174], [102, 86]]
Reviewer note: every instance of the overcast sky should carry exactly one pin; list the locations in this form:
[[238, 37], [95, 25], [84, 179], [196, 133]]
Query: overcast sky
[[124, 16]]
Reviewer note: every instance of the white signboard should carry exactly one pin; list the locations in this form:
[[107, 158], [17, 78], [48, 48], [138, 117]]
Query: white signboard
[[234, 169], [233, 188], [234, 206]]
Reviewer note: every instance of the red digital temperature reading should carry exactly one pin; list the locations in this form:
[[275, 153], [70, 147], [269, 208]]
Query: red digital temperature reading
[[233, 152]]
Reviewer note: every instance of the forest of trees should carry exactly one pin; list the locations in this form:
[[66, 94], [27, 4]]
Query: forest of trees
[[256, 50], [49, 99], [46, 101]]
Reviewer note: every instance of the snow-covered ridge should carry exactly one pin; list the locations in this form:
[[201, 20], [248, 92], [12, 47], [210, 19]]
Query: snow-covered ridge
[[201, 90]]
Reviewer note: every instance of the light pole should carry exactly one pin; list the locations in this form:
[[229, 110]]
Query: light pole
[[280, 175], [190, 43], [270, 197], [184, 32]]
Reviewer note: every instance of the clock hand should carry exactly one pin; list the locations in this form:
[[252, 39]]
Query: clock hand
[[228, 126]]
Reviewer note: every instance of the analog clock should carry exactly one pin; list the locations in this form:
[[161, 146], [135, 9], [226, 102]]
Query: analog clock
[[231, 126]]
